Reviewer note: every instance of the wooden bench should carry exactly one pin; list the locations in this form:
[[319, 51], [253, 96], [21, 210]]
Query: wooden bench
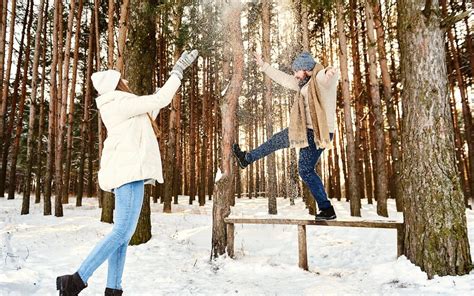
[[302, 248]]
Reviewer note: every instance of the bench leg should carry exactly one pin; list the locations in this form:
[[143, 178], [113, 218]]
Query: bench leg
[[230, 240], [400, 240], [302, 249]]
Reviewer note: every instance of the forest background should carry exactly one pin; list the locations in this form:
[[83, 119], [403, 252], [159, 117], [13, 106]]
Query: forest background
[[51, 134]]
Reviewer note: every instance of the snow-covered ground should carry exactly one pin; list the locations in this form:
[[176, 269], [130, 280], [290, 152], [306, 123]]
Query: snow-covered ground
[[176, 261]]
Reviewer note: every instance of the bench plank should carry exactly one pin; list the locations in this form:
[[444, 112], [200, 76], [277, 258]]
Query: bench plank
[[362, 223]]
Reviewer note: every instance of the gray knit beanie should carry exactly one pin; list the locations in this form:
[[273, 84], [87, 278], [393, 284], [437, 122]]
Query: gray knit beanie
[[304, 61]]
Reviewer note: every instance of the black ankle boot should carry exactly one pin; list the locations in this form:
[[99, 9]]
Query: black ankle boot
[[113, 292], [326, 214], [240, 155], [70, 285]]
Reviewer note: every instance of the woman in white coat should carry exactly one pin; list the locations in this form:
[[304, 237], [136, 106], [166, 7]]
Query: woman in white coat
[[130, 159]]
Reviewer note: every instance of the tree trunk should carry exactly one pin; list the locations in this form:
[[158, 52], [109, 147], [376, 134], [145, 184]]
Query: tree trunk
[[170, 161], [72, 96], [39, 149], [4, 135], [394, 178], [123, 27], [268, 106], [305, 26], [110, 34], [435, 220], [210, 130], [379, 165], [60, 118], [25, 209], [205, 136], [353, 182], [357, 91], [192, 144], [141, 35], [142, 233], [21, 108], [11, 118], [108, 201], [85, 118], [3, 33], [64, 94], [224, 187], [52, 115], [298, 45]]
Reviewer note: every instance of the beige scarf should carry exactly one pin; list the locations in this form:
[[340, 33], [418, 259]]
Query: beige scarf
[[297, 130]]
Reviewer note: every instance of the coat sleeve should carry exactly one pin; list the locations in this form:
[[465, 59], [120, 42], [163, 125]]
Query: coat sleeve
[[285, 80], [151, 103]]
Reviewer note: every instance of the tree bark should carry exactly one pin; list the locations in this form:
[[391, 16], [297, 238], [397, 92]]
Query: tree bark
[[60, 118], [141, 34], [21, 108], [4, 136], [224, 187], [64, 95], [39, 147], [3, 33], [192, 140], [72, 96], [170, 162], [305, 26], [110, 34], [205, 136], [379, 165], [435, 220], [268, 106], [123, 27], [31, 123], [108, 201], [52, 115], [142, 233], [360, 133], [85, 117], [353, 182], [394, 177]]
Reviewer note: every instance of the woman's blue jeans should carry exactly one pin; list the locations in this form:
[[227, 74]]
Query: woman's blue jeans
[[128, 204], [309, 156]]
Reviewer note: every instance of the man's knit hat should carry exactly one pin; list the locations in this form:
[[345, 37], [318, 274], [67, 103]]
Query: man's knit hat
[[304, 61], [105, 81]]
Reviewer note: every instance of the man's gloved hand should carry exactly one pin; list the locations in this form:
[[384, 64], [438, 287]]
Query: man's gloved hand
[[186, 59], [329, 72]]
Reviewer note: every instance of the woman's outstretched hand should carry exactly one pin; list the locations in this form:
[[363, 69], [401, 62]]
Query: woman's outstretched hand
[[258, 59], [186, 59]]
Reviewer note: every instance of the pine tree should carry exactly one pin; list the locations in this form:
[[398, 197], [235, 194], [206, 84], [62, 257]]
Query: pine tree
[[435, 220]]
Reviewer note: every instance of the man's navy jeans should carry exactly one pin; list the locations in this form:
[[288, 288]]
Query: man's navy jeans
[[309, 156]]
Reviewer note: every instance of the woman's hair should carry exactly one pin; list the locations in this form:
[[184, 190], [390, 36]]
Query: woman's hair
[[122, 86]]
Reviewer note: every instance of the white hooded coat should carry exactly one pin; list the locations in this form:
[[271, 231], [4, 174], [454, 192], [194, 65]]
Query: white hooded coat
[[131, 150]]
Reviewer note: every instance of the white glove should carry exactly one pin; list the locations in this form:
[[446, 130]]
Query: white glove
[[186, 59]]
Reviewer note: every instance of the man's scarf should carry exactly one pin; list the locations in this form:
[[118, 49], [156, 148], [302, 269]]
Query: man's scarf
[[316, 104]]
